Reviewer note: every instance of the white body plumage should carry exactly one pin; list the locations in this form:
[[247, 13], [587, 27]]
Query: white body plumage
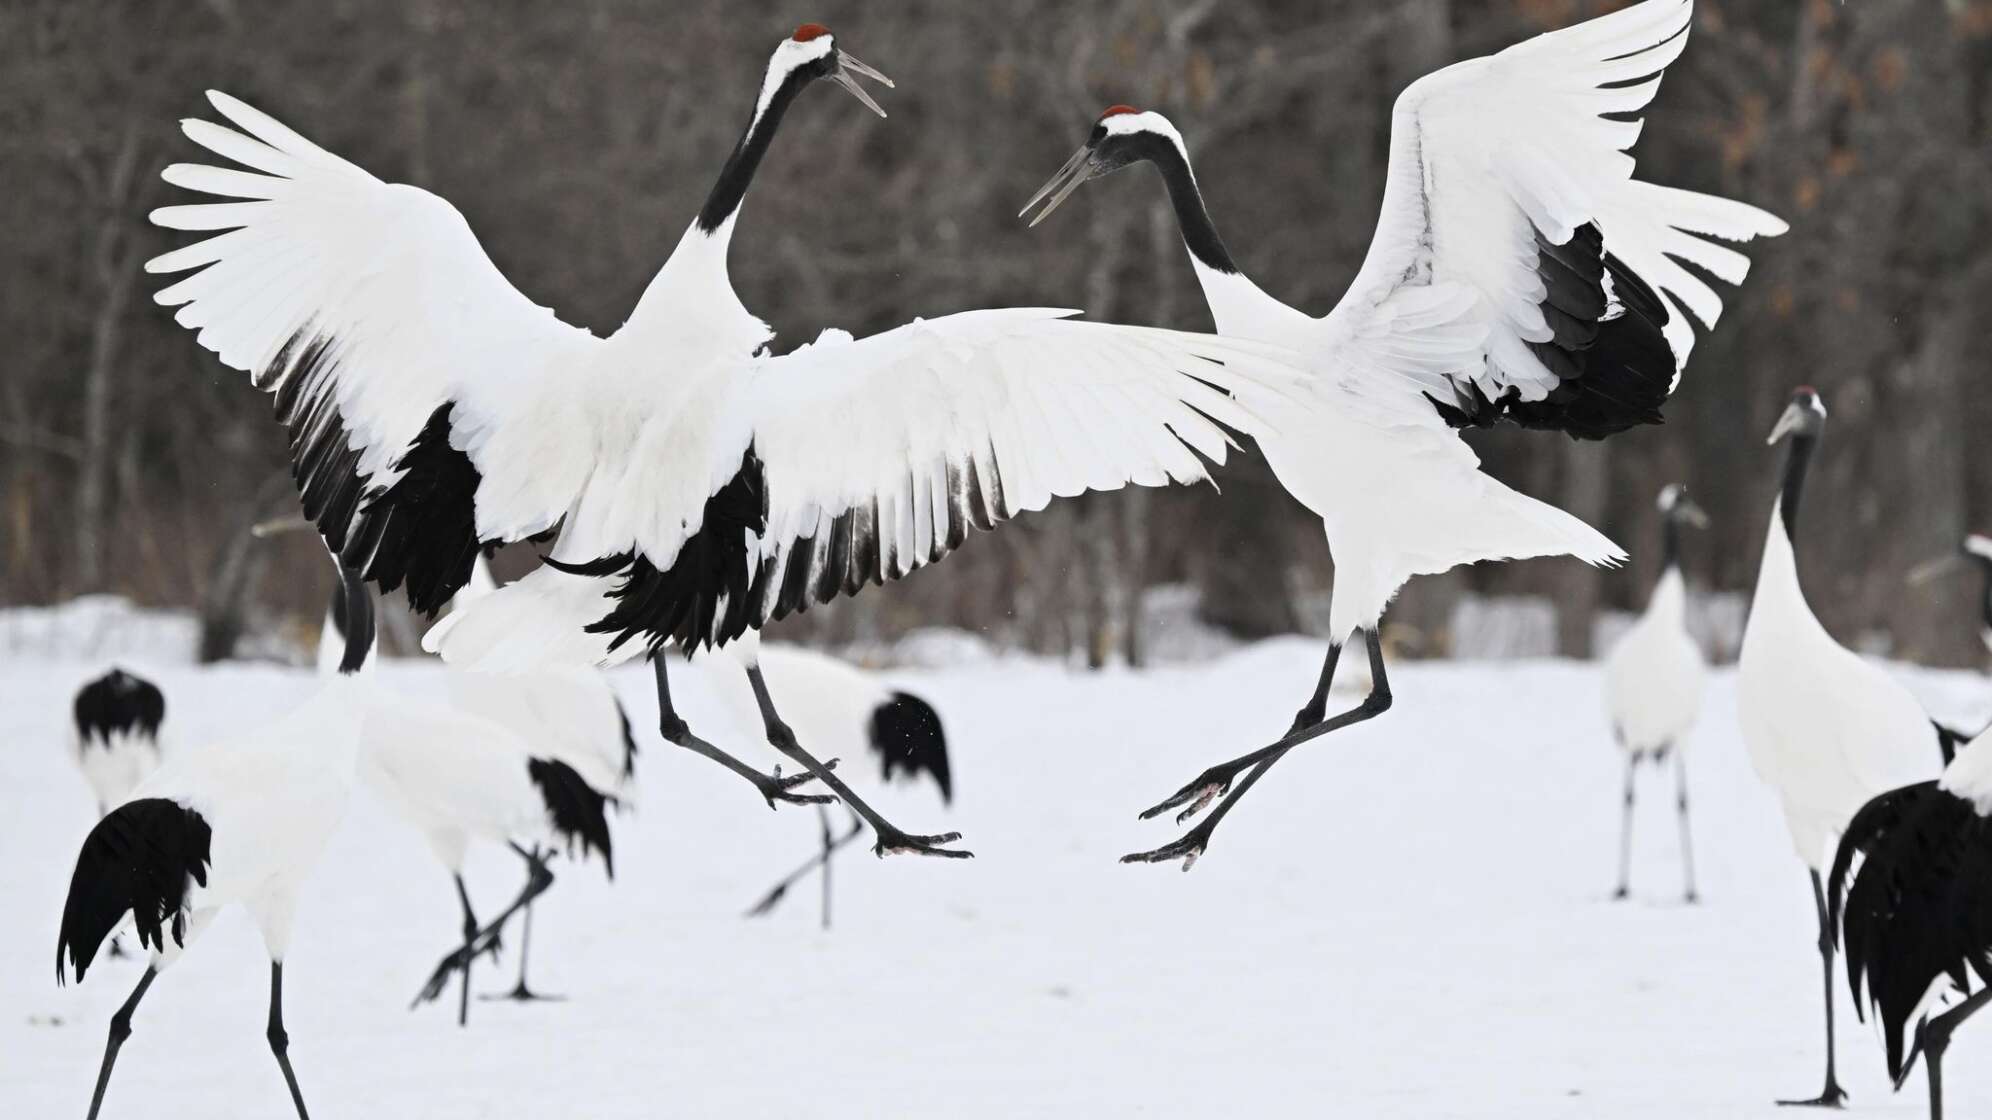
[[1655, 675]]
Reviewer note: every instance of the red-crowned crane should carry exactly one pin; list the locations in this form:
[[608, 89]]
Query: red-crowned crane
[[700, 486], [238, 824], [1654, 679], [855, 714], [1518, 274], [1827, 729], [475, 766]]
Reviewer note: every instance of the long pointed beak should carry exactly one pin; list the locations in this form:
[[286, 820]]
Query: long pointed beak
[[1787, 423], [849, 70], [1074, 172], [1931, 569], [1693, 514]]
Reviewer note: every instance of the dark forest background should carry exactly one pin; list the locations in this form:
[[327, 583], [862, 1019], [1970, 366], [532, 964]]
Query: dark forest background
[[579, 138]]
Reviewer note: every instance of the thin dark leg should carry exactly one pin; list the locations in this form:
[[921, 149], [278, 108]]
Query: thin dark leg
[[538, 878], [823, 823], [1832, 1096], [1936, 1039], [470, 928], [120, 1030], [821, 859], [1625, 828], [521, 992], [280, 1040], [1687, 840], [674, 729], [890, 837], [1217, 780]]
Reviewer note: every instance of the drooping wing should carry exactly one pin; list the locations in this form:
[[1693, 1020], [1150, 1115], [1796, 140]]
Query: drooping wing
[[394, 348], [1509, 175], [856, 462]]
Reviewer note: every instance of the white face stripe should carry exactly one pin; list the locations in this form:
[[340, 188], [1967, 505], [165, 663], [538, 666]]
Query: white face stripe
[[1979, 546], [1124, 124], [1670, 496], [787, 57]]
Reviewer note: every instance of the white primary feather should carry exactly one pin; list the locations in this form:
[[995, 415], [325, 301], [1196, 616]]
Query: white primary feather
[[1655, 675], [1826, 729]]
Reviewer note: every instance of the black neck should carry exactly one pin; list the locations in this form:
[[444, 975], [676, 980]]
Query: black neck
[[1985, 600], [1670, 541], [1796, 464], [1199, 235], [738, 174]]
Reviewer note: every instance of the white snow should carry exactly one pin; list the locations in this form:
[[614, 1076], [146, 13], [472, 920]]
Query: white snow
[[1406, 920]]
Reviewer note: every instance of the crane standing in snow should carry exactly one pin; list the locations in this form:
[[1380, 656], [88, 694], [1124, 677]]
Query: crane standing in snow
[[240, 824], [1518, 274], [854, 713], [699, 486], [1916, 918], [1654, 678], [117, 719], [488, 763], [1827, 730]]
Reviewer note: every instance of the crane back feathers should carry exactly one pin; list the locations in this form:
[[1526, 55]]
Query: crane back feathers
[[142, 859], [118, 702], [906, 733]]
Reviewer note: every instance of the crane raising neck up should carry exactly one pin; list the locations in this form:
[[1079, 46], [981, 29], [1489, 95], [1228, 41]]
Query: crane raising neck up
[[794, 65], [1199, 232]]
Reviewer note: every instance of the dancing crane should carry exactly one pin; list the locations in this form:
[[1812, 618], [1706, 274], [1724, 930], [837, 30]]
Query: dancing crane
[[1518, 274], [699, 486]]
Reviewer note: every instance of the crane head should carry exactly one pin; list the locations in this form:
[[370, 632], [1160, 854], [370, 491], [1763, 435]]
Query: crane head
[[1121, 135], [1675, 505], [1805, 416], [812, 53]]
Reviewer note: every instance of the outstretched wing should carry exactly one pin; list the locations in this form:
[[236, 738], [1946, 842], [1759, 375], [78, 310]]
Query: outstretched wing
[[394, 348], [1509, 176], [867, 460]]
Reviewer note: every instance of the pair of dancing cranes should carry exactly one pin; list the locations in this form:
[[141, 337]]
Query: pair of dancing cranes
[[697, 487]]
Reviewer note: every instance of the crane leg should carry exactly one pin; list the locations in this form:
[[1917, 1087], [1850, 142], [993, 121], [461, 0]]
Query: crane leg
[[1688, 894], [1936, 1039], [120, 1030], [1625, 829], [1217, 781], [822, 859], [1832, 1096], [774, 788], [280, 1039], [890, 838], [521, 992], [470, 928]]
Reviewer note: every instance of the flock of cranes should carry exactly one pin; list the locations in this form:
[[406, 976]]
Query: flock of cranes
[[689, 486]]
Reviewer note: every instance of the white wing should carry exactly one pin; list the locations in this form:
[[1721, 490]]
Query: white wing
[[854, 462], [394, 347], [1509, 176]]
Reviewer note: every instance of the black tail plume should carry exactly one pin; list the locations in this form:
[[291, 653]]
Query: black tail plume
[[140, 858], [906, 732], [577, 810]]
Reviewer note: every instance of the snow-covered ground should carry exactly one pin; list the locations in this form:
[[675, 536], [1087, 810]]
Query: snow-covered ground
[[1408, 920]]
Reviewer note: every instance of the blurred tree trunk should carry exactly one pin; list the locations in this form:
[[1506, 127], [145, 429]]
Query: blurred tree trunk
[[114, 264], [1586, 485]]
